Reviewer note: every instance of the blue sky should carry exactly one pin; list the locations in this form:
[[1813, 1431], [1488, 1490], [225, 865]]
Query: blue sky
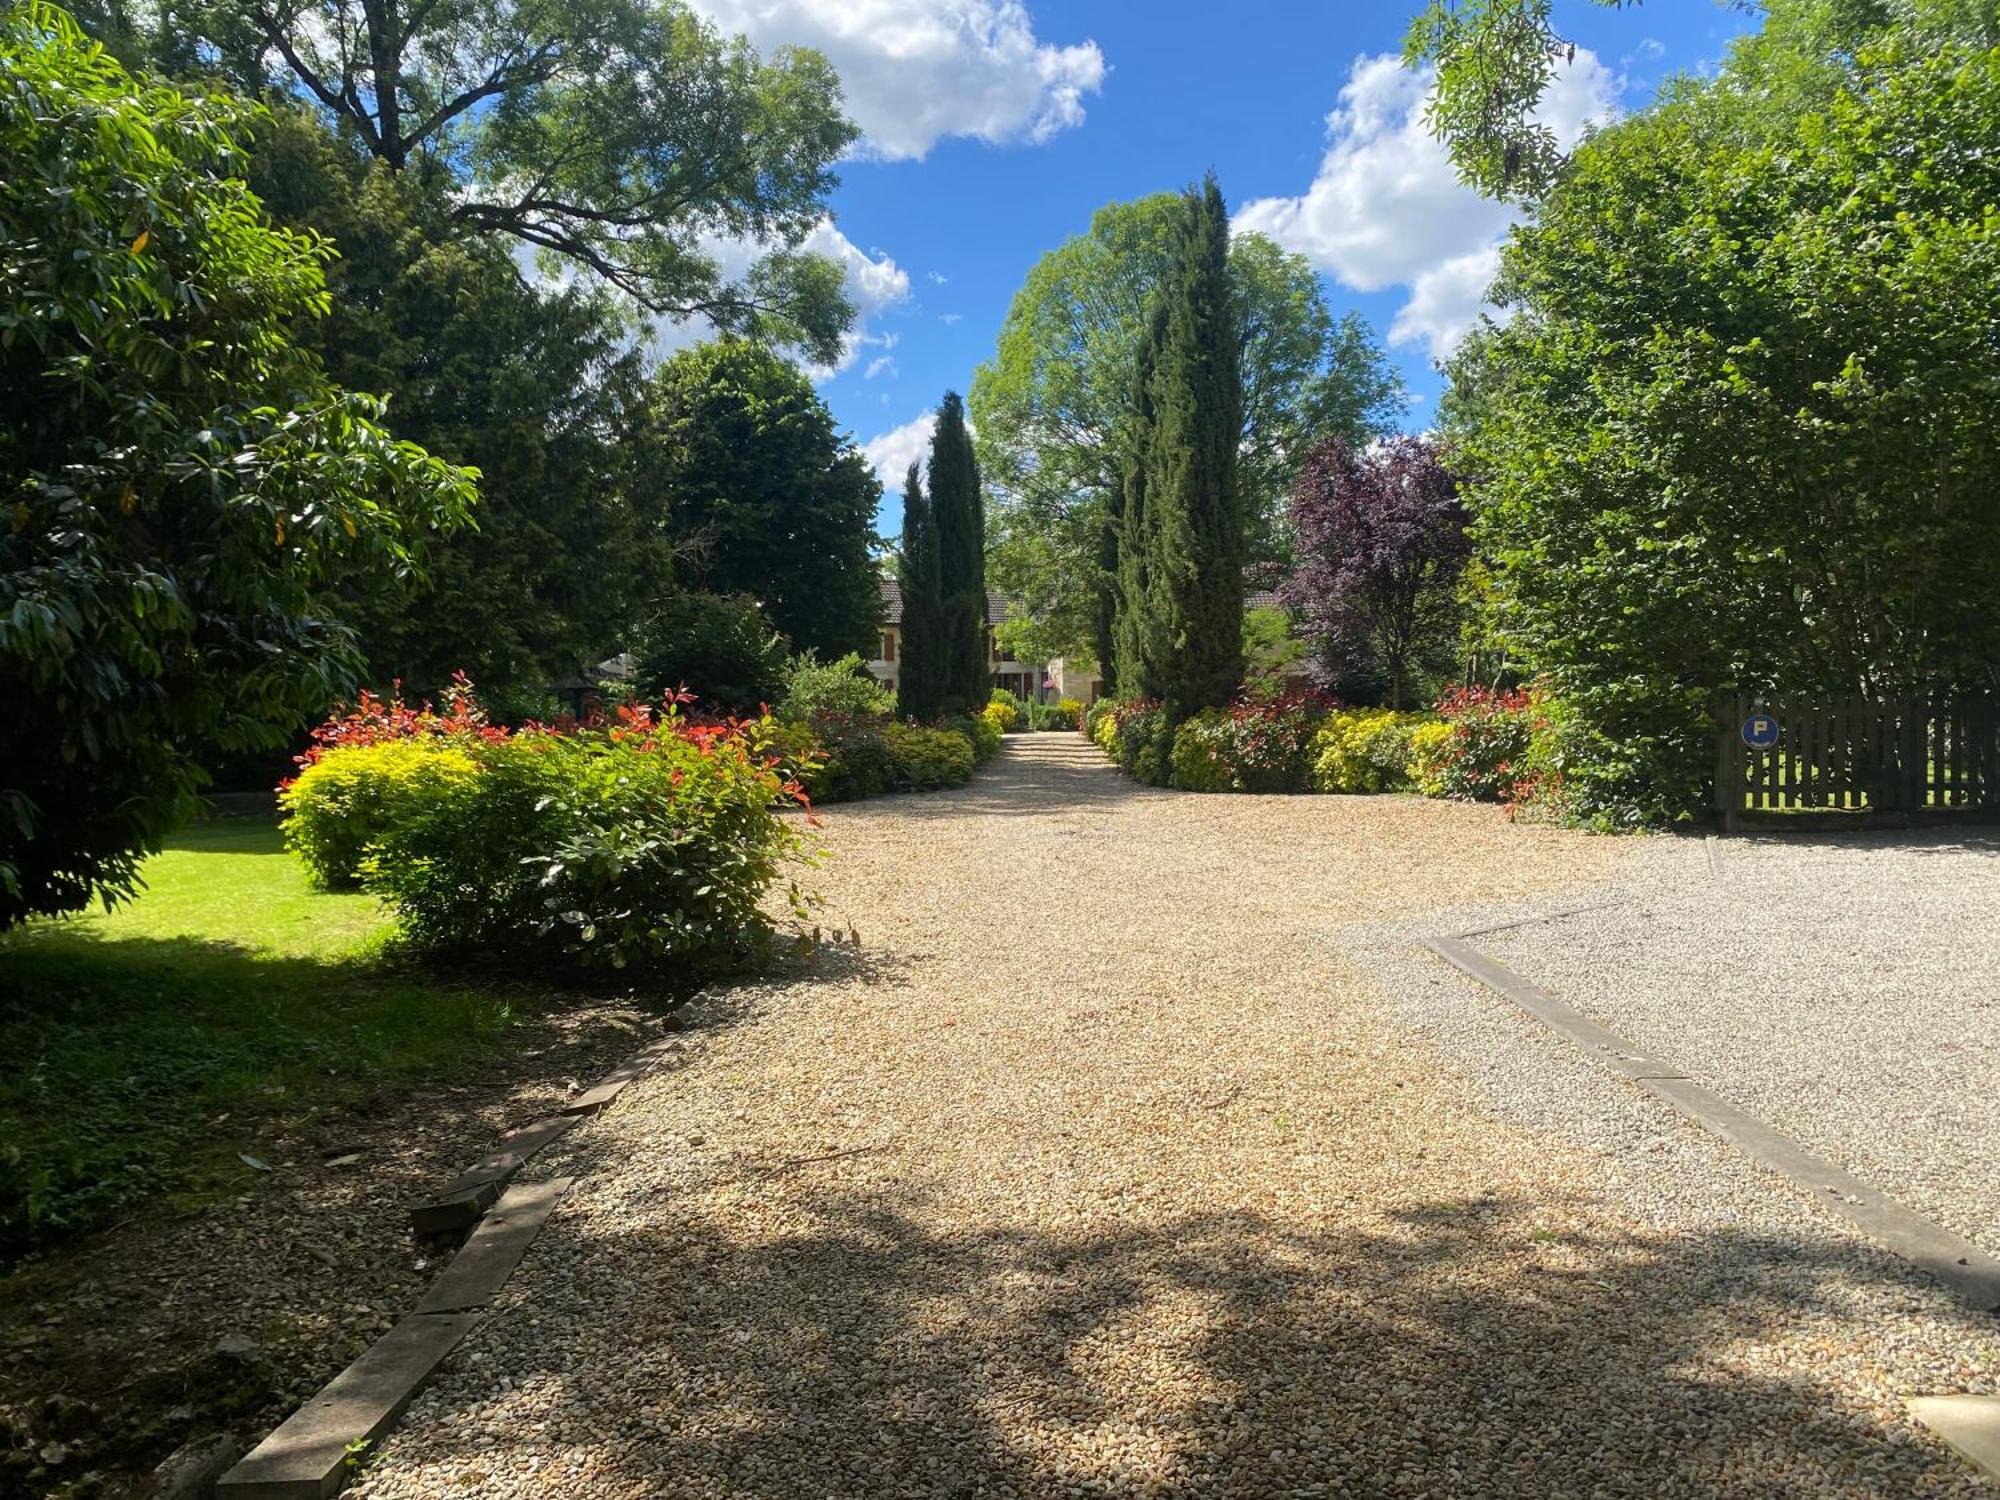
[[995, 128]]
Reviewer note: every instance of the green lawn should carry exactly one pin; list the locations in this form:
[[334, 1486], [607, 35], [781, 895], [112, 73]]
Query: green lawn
[[143, 1049]]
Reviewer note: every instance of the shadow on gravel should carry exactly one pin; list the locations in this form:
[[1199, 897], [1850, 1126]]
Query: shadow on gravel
[[1453, 1351]]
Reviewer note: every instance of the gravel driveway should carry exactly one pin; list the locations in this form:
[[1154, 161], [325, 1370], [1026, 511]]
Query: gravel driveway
[[1116, 1160]]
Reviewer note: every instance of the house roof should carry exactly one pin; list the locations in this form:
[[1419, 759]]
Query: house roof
[[892, 604]]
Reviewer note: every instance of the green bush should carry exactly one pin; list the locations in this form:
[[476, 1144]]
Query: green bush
[[338, 807], [981, 731], [1365, 750], [925, 759], [1100, 725], [639, 845], [1003, 713], [720, 647], [1203, 757], [1432, 747], [1064, 715], [813, 689], [1142, 743]]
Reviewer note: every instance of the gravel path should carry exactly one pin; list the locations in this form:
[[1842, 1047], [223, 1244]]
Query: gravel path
[[1108, 1165], [1845, 990]]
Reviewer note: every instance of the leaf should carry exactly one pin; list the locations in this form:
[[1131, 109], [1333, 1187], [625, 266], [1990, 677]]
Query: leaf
[[145, 238], [253, 1163]]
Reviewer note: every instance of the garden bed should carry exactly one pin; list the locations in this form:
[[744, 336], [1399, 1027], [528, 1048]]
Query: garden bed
[[223, 1101]]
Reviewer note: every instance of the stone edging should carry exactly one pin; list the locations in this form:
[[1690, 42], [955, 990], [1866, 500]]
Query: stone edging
[[1961, 1265], [1970, 1425], [308, 1456]]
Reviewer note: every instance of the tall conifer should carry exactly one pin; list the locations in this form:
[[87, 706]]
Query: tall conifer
[[961, 529], [919, 676], [1193, 636]]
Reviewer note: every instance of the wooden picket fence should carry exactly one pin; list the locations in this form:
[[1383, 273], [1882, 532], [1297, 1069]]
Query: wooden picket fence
[[1852, 760]]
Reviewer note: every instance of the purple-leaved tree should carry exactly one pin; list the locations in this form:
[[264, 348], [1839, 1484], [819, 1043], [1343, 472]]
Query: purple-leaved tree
[[1380, 545]]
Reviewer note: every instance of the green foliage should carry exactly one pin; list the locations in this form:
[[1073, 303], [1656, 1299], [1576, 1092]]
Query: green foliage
[[920, 637], [813, 689], [1004, 712], [538, 383], [337, 807], [1192, 605], [741, 465], [959, 515], [1065, 714], [1432, 755], [181, 491], [926, 759], [1136, 734], [981, 732], [1048, 405], [721, 648], [614, 136], [1739, 433], [1203, 758], [1272, 653], [1494, 60], [1365, 750], [620, 848]]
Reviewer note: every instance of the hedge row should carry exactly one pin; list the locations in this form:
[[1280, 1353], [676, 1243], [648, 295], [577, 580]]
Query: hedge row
[[1476, 745]]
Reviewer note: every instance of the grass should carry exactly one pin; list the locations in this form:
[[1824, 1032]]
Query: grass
[[142, 1049]]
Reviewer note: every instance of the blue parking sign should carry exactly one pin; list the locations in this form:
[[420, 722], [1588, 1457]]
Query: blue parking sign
[[1760, 731]]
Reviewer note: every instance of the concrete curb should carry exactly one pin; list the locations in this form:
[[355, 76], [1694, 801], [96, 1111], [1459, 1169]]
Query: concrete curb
[[1961, 1265], [1969, 1425]]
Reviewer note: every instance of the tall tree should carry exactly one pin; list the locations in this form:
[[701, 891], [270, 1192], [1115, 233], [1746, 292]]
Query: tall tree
[[1047, 406], [1194, 512], [920, 674], [1127, 651], [967, 674], [1381, 546], [1739, 434], [537, 385], [183, 485], [741, 466], [623, 137]]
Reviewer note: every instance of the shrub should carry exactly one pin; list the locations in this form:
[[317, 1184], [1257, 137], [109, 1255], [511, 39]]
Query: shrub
[[1003, 713], [1364, 750], [925, 759], [1488, 751], [1067, 714], [981, 731], [1140, 740], [1100, 724], [1203, 758], [813, 689], [1271, 742], [184, 490], [720, 647], [338, 807], [648, 842], [1432, 746]]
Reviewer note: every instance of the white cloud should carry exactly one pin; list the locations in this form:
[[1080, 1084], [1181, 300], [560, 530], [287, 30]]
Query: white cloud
[[873, 282], [935, 278], [1386, 209], [882, 364], [950, 319], [893, 452], [917, 70]]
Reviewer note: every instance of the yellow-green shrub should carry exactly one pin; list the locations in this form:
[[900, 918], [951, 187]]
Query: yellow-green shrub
[[1003, 714], [1433, 750], [342, 803], [1365, 750]]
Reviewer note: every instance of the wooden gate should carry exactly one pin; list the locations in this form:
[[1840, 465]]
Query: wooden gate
[[1859, 759]]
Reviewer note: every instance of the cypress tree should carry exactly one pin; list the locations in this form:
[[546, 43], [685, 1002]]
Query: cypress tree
[[960, 517], [1133, 629], [1194, 515], [919, 676]]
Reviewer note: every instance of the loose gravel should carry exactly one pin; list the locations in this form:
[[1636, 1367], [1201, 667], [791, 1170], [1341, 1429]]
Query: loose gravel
[[1846, 990], [1112, 1161]]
